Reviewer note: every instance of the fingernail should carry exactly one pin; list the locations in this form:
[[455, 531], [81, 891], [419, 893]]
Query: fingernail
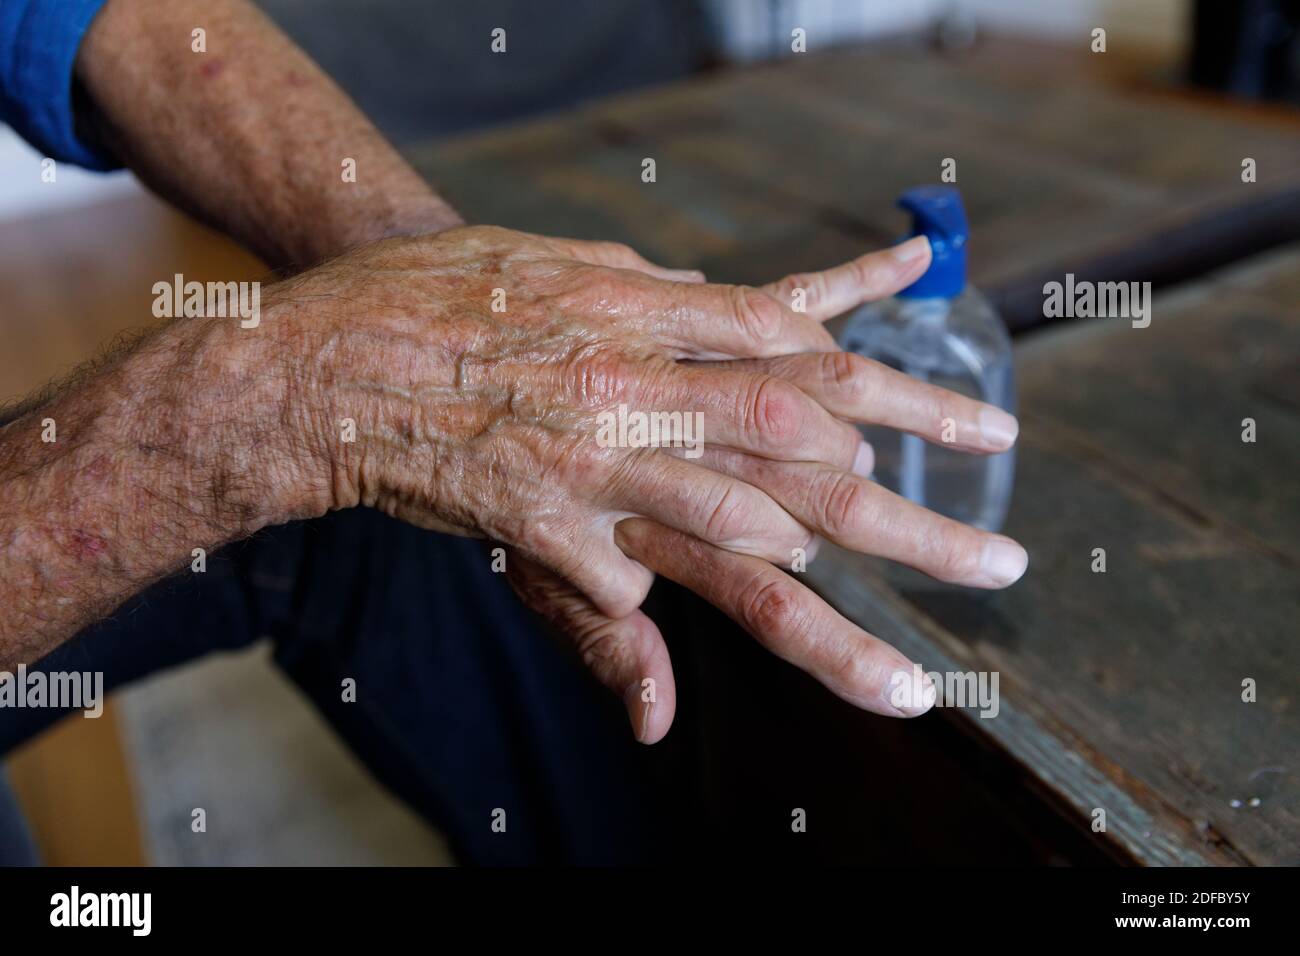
[[1003, 561], [813, 546], [997, 427], [689, 275], [912, 692], [911, 250], [638, 711], [864, 462]]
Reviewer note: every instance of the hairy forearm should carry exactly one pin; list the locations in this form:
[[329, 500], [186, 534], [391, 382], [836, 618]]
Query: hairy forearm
[[186, 438], [250, 136], [182, 440]]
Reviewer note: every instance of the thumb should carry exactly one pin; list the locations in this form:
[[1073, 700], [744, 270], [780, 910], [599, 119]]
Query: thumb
[[626, 654]]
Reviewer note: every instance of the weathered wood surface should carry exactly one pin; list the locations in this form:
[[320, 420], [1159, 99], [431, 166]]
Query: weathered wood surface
[[1123, 690], [1120, 690], [797, 164]]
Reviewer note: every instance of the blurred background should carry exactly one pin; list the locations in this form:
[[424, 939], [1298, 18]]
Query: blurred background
[[77, 262], [377, 49]]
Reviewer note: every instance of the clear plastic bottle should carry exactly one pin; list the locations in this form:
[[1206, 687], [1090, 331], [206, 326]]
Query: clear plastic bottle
[[942, 331]]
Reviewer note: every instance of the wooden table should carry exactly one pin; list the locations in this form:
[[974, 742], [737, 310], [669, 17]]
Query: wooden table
[[1123, 690], [1120, 690], [796, 165]]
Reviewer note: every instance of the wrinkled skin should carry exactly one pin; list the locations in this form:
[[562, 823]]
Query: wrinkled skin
[[468, 420], [483, 422]]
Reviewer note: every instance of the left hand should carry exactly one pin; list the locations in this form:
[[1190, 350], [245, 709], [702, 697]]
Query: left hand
[[628, 654]]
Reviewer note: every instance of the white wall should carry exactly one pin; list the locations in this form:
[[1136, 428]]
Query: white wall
[[1161, 24], [756, 29], [23, 193]]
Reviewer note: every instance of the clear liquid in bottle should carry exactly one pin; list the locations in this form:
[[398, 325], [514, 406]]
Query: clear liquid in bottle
[[942, 331], [958, 344]]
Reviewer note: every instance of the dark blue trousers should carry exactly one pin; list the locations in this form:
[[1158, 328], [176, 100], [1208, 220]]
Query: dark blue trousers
[[464, 703]]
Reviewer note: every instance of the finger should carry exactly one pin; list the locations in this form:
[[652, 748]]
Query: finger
[[616, 255], [762, 414], [628, 655], [729, 321], [864, 516], [704, 503], [877, 275], [862, 390], [587, 557], [785, 617]]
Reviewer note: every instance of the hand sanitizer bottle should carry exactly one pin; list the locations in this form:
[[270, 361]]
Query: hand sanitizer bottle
[[943, 331]]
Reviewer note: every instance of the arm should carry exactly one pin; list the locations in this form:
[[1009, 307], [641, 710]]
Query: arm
[[480, 422], [468, 421], [177, 441], [201, 130]]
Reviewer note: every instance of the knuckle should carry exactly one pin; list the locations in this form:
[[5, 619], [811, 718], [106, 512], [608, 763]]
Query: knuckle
[[842, 504], [774, 608], [845, 373], [726, 519], [482, 235], [625, 595], [600, 650], [950, 410], [619, 251], [758, 314], [774, 411], [955, 552], [935, 403], [596, 376], [609, 650], [813, 284], [595, 286], [578, 288], [869, 272], [853, 670]]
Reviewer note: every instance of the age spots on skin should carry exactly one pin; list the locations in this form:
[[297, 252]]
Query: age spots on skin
[[99, 468], [84, 546]]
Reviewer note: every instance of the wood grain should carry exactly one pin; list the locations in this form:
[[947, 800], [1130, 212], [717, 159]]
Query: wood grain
[[1123, 690], [771, 167]]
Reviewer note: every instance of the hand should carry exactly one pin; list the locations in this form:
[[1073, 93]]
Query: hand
[[628, 654], [479, 421], [483, 423]]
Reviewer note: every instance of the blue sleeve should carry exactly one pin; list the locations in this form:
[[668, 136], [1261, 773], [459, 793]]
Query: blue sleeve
[[38, 45]]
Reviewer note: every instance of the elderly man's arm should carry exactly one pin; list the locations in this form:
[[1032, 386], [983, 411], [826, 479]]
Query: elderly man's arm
[[464, 420], [108, 482], [250, 136]]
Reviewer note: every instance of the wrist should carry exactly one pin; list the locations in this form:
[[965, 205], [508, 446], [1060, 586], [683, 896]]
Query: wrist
[[305, 471], [384, 214], [373, 392], [221, 402]]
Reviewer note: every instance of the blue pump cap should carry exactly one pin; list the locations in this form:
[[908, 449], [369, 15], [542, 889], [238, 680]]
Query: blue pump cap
[[937, 213]]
